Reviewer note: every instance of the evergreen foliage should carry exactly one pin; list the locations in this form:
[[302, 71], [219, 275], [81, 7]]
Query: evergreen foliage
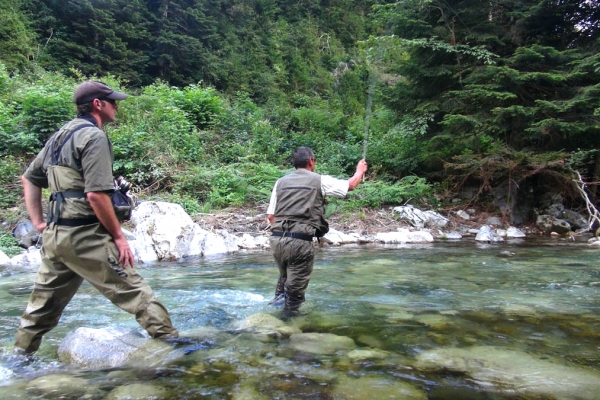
[[228, 88]]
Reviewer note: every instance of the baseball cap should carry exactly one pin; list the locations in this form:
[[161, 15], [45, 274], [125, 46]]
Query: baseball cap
[[90, 90]]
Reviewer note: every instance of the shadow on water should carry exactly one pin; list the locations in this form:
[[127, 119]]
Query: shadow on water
[[519, 320]]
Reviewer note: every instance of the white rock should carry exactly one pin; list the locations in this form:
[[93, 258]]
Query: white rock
[[404, 237], [464, 215], [485, 234], [420, 219], [4, 259], [337, 238], [27, 262], [164, 231], [513, 232]]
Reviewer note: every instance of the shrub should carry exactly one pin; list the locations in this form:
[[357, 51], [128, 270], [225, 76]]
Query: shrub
[[379, 193], [230, 185], [9, 245], [10, 185]]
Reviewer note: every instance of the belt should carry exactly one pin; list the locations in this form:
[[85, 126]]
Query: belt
[[294, 235], [76, 221]]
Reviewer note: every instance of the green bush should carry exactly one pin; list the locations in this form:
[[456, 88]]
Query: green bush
[[230, 185], [9, 245], [10, 185], [379, 193]]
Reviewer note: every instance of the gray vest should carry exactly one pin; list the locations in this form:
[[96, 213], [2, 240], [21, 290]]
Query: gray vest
[[301, 202]]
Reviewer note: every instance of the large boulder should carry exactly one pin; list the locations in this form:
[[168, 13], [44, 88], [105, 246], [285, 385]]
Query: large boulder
[[164, 231], [103, 348]]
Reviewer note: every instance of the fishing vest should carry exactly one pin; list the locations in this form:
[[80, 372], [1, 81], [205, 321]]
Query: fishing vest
[[300, 199], [68, 204]]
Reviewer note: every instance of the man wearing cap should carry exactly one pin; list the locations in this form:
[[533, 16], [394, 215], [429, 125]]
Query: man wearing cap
[[296, 213], [82, 237]]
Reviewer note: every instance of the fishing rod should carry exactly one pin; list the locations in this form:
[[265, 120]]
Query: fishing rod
[[372, 80]]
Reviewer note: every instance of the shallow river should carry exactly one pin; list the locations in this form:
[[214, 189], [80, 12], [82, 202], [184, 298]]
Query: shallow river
[[441, 321]]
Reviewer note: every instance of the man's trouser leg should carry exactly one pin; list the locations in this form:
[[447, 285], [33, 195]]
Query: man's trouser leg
[[55, 285], [96, 260], [296, 258]]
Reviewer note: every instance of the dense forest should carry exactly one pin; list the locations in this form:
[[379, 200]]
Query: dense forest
[[441, 94]]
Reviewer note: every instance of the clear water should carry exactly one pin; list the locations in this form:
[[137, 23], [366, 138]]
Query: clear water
[[404, 299]]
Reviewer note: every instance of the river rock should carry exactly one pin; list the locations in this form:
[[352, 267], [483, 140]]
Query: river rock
[[337, 238], [138, 391], [27, 262], [249, 242], [404, 236], [26, 234], [485, 234], [494, 221], [420, 219], [321, 343], [463, 214], [547, 223], [110, 348], [4, 259], [375, 387], [450, 235], [58, 386], [267, 324], [164, 231], [575, 220], [361, 355], [513, 232], [528, 375]]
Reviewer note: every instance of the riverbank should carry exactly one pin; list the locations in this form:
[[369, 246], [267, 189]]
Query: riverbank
[[368, 222]]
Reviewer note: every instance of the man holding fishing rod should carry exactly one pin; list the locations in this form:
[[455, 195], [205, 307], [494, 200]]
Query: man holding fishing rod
[[296, 213]]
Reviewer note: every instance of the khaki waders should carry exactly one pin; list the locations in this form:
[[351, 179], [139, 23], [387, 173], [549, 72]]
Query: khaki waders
[[72, 254], [295, 260]]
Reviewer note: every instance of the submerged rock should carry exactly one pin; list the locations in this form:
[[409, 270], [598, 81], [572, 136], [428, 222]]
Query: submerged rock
[[360, 355], [138, 391], [321, 343], [512, 370], [58, 386], [267, 324], [375, 387]]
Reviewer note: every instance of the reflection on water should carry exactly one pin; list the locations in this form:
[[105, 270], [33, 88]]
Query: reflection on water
[[405, 308]]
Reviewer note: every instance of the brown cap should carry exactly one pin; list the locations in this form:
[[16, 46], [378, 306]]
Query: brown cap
[[90, 90]]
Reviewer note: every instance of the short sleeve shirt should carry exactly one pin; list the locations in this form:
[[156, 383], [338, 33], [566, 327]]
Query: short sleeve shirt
[[330, 186], [90, 153]]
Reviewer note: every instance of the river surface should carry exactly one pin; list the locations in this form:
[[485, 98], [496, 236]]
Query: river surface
[[536, 298]]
